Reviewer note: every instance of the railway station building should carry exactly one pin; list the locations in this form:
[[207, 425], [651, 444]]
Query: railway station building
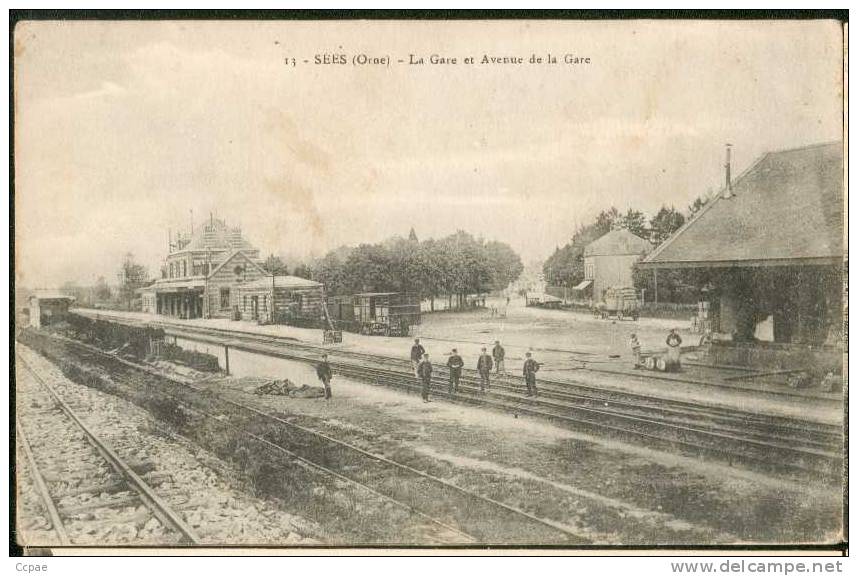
[[202, 274], [767, 253]]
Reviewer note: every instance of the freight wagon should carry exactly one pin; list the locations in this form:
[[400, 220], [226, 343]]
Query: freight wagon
[[376, 313]]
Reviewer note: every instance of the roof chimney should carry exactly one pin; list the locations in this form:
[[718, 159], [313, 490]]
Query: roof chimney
[[728, 189]]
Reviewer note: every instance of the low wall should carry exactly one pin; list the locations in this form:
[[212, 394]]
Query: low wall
[[768, 356]]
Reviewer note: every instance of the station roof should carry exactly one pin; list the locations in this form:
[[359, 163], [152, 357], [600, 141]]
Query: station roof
[[617, 243], [786, 209], [50, 295], [280, 282], [176, 284]]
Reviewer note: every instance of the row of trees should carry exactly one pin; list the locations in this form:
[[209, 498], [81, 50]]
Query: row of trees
[[454, 266], [566, 265]]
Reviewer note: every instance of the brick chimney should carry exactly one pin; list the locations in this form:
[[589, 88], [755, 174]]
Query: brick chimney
[[728, 187]]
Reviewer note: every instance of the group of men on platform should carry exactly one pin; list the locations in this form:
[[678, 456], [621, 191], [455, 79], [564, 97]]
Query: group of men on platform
[[423, 368]]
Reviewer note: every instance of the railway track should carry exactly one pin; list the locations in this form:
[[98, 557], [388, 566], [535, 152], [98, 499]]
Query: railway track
[[76, 464], [472, 517], [566, 389], [734, 436]]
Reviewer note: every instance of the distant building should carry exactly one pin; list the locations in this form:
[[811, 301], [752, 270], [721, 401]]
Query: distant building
[[48, 307], [609, 261], [202, 273], [769, 256]]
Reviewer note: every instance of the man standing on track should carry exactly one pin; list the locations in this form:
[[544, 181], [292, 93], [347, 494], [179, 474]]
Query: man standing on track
[[455, 364], [530, 368], [424, 371], [417, 352], [498, 354], [484, 367], [324, 372]]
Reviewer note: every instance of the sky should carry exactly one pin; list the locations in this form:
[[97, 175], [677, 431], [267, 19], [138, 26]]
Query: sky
[[127, 130]]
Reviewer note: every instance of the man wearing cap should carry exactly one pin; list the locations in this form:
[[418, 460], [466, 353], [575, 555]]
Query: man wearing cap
[[424, 372], [417, 352], [530, 368], [484, 367], [455, 364], [498, 354]]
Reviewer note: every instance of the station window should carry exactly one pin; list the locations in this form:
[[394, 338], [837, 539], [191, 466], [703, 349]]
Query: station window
[[224, 298], [184, 268]]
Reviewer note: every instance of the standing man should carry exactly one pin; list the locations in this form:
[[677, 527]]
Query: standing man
[[324, 372], [635, 345], [417, 352], [530, 368], [484, 367], [673, 347], [455, 364], [498, 354], [424, 371]]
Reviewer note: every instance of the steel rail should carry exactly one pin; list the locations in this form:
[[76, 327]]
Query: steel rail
[[832, 460], [715, 433], [554, 525], [559, 388], [166, 515], [42, 488], [333, 473], [169, 326]]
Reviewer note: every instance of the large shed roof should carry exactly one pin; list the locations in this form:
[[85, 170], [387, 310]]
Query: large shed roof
[[786, 209]]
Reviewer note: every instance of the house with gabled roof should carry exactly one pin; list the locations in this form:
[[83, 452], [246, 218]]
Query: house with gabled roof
[[609, 261]]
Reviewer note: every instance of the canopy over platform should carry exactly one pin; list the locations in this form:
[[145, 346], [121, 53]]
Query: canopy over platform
[[785, 210]]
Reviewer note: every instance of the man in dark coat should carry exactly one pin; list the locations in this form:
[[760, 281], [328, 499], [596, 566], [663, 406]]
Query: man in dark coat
[[455, 364], [530, 368], [417, 352], [324, 372], [424, 372], [484, 367], [498, 354]]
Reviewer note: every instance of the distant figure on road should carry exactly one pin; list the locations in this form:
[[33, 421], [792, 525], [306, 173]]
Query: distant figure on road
[[498, 354], [484, 367], [324, 372], [531, 366], [455, 364], [673, 345], [635, 345], [417, 352], [424, 371]]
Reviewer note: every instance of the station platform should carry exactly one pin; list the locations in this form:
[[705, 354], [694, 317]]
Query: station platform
[[607, 364]]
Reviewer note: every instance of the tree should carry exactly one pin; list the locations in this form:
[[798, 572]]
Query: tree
[[566, 265], [696, 206], [102, 290], [505, 265], [274, 265], [330, 270], [132, 276], [303, 271], [412, 235], [635, 222], [664, 224]]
